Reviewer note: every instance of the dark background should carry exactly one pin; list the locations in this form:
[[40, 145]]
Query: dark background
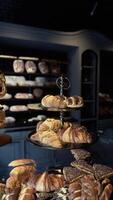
[[60, 15]]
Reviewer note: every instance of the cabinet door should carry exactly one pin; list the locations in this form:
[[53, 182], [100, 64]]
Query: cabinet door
[[45, 158], [89, 87]]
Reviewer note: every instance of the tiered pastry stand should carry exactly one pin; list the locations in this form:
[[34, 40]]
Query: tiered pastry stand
[[63, 83]]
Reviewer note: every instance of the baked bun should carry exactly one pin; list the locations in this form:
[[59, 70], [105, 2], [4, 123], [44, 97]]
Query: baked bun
[[18, 66], [52, 101], [19, 162], [30, 66]]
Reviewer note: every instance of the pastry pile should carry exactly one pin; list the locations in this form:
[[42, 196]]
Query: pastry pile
[[51, 133], [25, 183], [79, 181]]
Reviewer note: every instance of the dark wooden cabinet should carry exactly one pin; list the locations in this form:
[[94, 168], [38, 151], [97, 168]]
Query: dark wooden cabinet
[[89, 89]]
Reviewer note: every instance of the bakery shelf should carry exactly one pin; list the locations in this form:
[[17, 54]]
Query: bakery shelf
[[50, 75]]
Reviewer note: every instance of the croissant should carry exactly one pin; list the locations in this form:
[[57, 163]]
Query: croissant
[[51, 101], [49, 138], [49, 182], [53, 124], [22, 169], [27, 193], [75, 134], [11, 183]]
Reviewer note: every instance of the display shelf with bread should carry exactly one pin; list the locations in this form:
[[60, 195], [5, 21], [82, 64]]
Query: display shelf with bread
[[28, 79]]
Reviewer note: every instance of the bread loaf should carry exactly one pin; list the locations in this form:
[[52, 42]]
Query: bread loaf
[[18, 66], [30, 66], [43, 67]]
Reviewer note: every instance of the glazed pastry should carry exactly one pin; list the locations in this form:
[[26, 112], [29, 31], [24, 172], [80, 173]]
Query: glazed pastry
[[30, 67], [18, 66]]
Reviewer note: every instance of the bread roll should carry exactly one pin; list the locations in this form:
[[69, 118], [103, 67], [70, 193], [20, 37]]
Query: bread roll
[[18, 66], [19, 162], [30, 66]]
